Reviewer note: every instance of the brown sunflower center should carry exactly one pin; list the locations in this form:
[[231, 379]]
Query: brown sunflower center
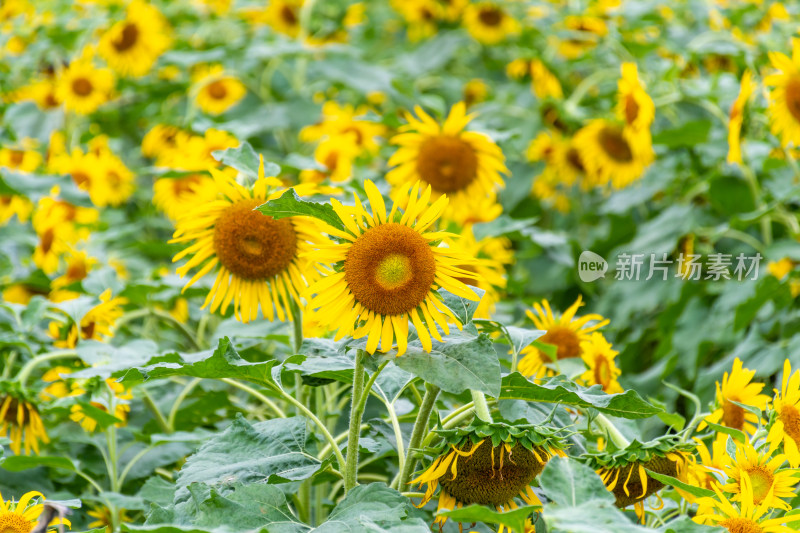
[[615, 145], [87, 329], [492, 476], [449, 164], [14, 523], [565, 340], [47, 238], [390, 269], [77, 271], [17, 157], [574, 159], [762, 480], [490, 16], [81, 179], [82, 87], [790, 416], [662, 465], [217, 90], [793, 97], [11, 412], [631, 109], [732, 415], [741, 525], [288, 15], [127, 39], [602, 371], [251, 245]]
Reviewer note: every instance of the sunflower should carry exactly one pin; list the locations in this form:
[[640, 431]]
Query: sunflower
[[113, 397], [58, 225], [784, 98], [765, 475], [471, 469], [131, 46], [785, 419], [43, 92], [634, 105], [560, 156], [475, 91], [566, 333], [216, 91], [519, 68], [23, 158], [14, 205], [20, 420], [337, 155], [586, 31], [387, 272], [105, 519], [96, 324], [21, 516], [544, 83], [78, 265], [489, 23], [599, 357], [465, 165], [83, 88], [737, 117], [612, 153], [421, 16], [342, 121], [177, 196], [283, 16], [260, 260], [737, 387], [747, 517], [160, 138]]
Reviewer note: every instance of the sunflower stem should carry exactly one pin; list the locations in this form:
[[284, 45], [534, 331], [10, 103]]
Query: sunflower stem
[[481, 407], [165, 426], [351, 462], [25, 373], [419, 431], [613, 433]]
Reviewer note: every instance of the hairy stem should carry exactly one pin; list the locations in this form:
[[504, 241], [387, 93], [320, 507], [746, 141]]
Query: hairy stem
[[351, 465], [481, 407], [419, 431]]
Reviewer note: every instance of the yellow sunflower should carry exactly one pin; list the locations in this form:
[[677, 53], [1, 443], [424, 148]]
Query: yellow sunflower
[[560, 156], [737, 117], [765, 473], [20, 420], [634, 105], [585, 30], [22, 158], [177, 196], [21, 516], [387, 272], [599, 358], [104, 518], [737, 387], [42, 91], [785, 427], [544, 83], [260, 261], [475, 91], [160, 138], [96, 324], [131, 46], [337, 155], [283, 16], [117, 401], [489, 23], [342, 121], [83, 88], [216, 91], [14, 205], [711, 461], [784, 98], [745, 518], [613, 154], [78, 265], [59, 225], [421, 16], [465, 165], [566, 333]]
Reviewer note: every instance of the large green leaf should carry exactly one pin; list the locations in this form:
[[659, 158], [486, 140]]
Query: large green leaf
[[688, 134], [290, 205], [685, 524], [515, 519], [463, 309], [591, 517], [374, 508], [17, 463], [567, 482], [245, 159], [561, 390], [698, 492]]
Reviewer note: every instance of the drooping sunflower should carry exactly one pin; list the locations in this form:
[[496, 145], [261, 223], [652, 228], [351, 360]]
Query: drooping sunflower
[[260, 261], [765, 473], [747, 89], [613, 154], [566, 333], [737, 387], [634, 105], [624, 471], [471, 469], [387, 270], [745, 518], [785, 416], [131, 46], [599, 358], [217, 91], [489, 23], [784, 98], [21, 516], [83, 88], [464, 165], [20, 420]]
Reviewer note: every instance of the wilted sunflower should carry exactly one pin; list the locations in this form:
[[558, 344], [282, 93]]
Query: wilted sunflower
[[566, 333], [21, 516], [784, 98], [471, 469], [387, 270], [624, 472], [747, 89], [259, 260], [599, 357], [737, 387], [464, 165], [489, 23], [82, 87], [634, 105], [216, 91], [132, 45], [613, 154], [19, 419], [765, 473], [785, 418]]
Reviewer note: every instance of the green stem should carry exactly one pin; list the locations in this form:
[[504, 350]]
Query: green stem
[[173, 413], [163, 315], [481, 407], [251, 391], [25, 373], [613, 433], [419, 431], [151, 404], [351, 465]]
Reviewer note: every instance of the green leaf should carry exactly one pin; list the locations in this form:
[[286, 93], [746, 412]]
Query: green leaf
[[290, 205], [678, 484], [730, 195], [733, 432], [523, 337], [591, 517], [561, 390], [461, 307], [103, 418], [17, 463], [690, 134], [685, 524], [374, 508], [514, 520], [502, 225], [245, 159], [567, 482]]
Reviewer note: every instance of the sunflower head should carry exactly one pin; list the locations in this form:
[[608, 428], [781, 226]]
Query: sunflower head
[[20, 420], [21, 516]]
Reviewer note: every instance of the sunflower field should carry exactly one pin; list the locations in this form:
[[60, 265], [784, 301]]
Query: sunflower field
[[401, 266]]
